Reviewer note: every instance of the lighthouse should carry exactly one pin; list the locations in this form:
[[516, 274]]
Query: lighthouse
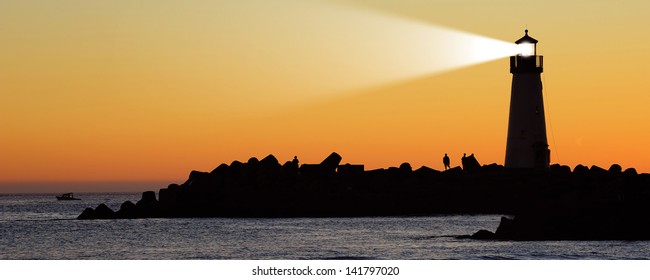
[[527, 147]]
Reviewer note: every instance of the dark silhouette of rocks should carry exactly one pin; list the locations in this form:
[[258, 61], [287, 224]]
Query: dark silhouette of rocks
[[483, 234], [406, 167], [147, 207], [588, 204], [264, 188], [87, 214], [615, 169], [103, 212], [100, 212], [552, 204], [630, 171], [127, 209]]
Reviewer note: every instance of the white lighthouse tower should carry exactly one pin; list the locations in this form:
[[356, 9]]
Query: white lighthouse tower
[[527, 146]]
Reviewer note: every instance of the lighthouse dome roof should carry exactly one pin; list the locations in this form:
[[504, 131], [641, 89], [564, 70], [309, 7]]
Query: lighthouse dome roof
[[526, 39]]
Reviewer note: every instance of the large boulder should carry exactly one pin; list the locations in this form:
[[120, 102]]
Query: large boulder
[[630, 172], [560, 170], [128, 210], [331, 162], [268, 172], [493, 168], [148, 206], [269, 161], [148, 198], [615, 169], [599, 173], [87, 214], [351, 170], [453, 172], [168, 197], [104, 212], [406, 167], [221, 169], [198, 179], [327, 167], [581, 170]]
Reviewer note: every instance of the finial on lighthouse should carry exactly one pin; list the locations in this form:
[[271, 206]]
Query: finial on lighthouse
[[526, 31]]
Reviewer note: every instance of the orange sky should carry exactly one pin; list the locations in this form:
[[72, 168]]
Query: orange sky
[[148, 91]]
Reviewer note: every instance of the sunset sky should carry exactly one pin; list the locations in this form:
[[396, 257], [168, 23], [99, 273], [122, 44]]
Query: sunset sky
[[146, 91]]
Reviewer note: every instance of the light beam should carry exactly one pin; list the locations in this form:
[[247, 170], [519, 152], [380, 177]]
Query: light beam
[[306, 51]]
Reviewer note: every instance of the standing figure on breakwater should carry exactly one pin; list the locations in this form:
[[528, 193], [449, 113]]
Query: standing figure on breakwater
[[445, 161], [463, 161]]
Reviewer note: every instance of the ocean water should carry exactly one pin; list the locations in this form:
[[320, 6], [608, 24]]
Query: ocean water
[[37, 226]]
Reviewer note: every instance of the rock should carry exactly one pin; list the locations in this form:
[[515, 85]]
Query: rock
[[148, 206], [550, 205], [630, 172], [236, 164], [269, 161], [331, 162], [615, 169], [427, 170], [580, 170], [483, 235], [406, 167], [597, 169], [268, 165], [268, 172], [148, 197], [168, 198], [493, 168], [128, 210], [327, 167], [87, 214], [427, 174], [290, 168], [236, 168], [253, 161], [506, 229], [103, 212], [311, 171], [454, 172], [599, 173], [563, 170], [198, 178], [351, 169], [221, 169]]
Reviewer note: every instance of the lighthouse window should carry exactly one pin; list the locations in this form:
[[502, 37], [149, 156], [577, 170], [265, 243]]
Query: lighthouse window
[[526, 49], [537, 110]]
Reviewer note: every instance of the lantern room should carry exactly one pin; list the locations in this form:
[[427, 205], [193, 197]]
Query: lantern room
[[526, 60]]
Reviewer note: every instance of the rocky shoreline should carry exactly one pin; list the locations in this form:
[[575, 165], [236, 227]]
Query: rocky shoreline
[[555, 204]]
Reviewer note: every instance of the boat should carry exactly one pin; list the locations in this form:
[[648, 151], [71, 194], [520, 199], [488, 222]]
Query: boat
[[67, 196]]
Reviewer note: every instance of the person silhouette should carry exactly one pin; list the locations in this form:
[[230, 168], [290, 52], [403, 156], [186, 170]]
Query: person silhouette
[[295, 161], [445, 161]]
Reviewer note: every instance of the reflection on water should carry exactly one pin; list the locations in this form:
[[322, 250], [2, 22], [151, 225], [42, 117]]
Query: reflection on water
[[39, 227]]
